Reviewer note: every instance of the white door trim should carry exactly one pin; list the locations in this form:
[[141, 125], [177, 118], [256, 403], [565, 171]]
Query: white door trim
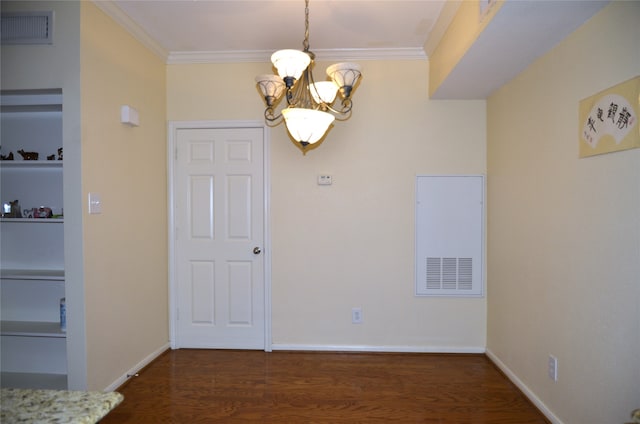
[[173, 128]]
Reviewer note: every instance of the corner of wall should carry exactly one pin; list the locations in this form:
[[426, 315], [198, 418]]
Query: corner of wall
[[460, 34]]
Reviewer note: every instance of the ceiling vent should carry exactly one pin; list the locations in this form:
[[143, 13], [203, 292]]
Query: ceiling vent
[[27, 27]]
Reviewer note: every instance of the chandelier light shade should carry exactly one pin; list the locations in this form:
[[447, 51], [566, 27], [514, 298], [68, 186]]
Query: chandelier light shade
[[307, 125], [324, 92], [310, 108], [271, 87], [345, 76], [290, 63]]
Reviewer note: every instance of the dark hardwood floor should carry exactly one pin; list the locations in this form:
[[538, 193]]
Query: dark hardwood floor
[[211, 386]]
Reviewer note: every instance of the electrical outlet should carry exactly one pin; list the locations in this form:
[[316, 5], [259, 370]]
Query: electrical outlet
[[356, 316], [552, 368]]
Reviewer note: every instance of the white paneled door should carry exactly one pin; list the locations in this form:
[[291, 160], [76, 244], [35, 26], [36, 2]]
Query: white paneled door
[[219, 235]]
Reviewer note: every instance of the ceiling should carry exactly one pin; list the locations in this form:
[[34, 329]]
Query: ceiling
[[269, 25], [244, 30]]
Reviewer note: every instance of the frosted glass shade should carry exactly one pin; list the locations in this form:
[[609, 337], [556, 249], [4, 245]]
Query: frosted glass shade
[[345, 75], [307, 126], [290, 63], [324, 91], [271, 86]]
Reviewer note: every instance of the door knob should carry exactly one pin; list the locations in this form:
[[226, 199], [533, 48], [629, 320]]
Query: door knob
[[256, 250]]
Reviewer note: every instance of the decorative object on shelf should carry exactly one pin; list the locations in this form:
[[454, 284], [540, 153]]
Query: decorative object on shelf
[[63, 314], [42, 212], [7, 157], [11, 210], [51, 157], [309, 103], [28, 155], [27, 213], [60, 153]]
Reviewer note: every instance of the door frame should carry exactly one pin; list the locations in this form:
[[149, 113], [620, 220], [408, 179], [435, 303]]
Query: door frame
[[173, 128]]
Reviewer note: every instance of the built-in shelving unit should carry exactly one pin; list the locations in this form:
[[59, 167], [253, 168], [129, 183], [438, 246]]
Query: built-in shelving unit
[[32, 278]]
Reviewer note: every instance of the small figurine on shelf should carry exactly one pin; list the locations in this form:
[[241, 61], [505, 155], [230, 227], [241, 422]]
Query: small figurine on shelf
[[6, 157], [51, 157], [42, 212], [11, 210], [28, 155], [60, 153]]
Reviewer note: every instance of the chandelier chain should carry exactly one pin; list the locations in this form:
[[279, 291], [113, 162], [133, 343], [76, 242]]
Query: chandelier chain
[[305, 43]]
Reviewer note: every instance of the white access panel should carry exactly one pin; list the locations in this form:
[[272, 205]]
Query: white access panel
[[449, 235]]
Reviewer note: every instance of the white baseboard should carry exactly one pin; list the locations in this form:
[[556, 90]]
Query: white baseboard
[[523, 387], [134, 370], [371, 348]]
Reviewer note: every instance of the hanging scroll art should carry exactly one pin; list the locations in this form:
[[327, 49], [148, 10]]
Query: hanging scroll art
[[609, 120]]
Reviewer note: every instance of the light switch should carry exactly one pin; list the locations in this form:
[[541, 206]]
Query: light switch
[[95, 203]]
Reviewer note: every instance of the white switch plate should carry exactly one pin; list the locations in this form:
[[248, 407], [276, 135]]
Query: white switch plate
[[325, 180], [95, 203]]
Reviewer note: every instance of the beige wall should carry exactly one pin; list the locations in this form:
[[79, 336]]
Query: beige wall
[[563, 232], [125, 247], [352, 244]]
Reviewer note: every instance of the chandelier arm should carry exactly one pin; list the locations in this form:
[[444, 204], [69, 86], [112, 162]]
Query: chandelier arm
[[270, 116], [339, 114], [344, 113], [299, 95], [311, 85]]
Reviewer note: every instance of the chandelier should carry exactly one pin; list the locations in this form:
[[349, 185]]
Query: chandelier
[[310, 106]]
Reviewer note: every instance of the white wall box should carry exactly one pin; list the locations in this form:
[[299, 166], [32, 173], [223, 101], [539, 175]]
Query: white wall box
[[33, 346], [449, 235]]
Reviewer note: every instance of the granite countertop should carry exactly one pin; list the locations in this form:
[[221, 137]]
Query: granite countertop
[[55, 406]]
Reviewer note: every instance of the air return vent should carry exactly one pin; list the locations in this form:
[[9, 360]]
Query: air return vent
[[449, 235], [449, 273], [27, 27]]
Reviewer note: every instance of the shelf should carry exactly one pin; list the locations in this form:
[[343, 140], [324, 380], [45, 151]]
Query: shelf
[[29, 164], [37, 96], [32, 274], [21, 380], [30, 108], [33, 220], [31, 329]]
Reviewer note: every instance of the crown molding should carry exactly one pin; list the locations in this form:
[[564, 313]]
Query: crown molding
[[122, 19], [238, 56]]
